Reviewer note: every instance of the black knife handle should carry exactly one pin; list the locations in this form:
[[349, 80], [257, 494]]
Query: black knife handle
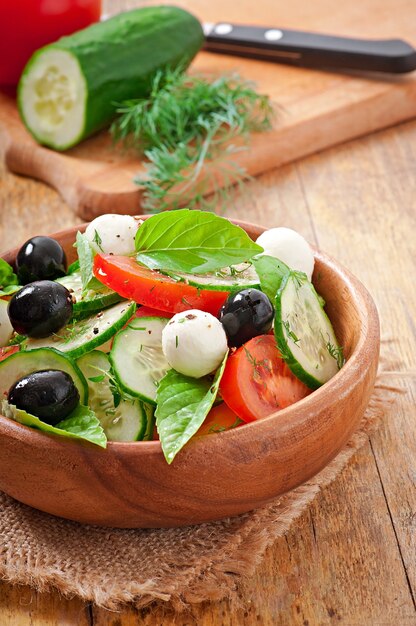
[[310, 49]]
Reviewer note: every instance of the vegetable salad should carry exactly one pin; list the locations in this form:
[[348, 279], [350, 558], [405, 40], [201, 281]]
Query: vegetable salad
[[169, 328]]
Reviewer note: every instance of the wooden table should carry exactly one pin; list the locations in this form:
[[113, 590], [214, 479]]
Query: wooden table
[[350, 558]]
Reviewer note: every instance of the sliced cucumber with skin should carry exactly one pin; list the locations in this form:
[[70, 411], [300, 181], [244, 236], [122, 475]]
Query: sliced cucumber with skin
[[125, 422], [85, 335], [233, 278], [93, 300], [71, 88], [23, 363], [304, 333], [137, 357]]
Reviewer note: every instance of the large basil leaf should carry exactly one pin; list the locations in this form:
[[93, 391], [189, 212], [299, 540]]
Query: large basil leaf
[[80, 424], [270, 272], [192, 241], [182, 405]]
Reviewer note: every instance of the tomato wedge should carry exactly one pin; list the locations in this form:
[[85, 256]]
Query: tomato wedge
[[135, 282], [257, 382], [7, 351], [220, 418]]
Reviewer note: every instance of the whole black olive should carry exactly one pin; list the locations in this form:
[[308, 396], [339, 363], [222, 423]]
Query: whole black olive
[[50, 395], [40, 308], [40, 258], [245, 315]]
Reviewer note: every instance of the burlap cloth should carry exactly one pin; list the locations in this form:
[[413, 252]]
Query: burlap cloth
[[177, 566]]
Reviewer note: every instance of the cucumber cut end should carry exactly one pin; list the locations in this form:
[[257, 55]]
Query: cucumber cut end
[[51, 97]]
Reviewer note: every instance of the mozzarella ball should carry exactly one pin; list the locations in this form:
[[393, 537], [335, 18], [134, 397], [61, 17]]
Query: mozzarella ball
[[6, 329], [194, 343], [113, 234], [288, 246]]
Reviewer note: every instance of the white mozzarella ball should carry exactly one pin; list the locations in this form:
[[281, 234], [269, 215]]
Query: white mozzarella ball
[[290, 247], [6, 329], [113, 234], [194, 343]]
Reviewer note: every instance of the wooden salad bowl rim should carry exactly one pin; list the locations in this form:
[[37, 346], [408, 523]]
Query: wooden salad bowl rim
[[289, 425]]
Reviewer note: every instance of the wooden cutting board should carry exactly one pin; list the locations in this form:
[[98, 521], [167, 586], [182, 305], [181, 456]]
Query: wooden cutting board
[[316, 109]]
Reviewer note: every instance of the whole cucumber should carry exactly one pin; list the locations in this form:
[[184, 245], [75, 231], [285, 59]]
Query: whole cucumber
[[69, 89]]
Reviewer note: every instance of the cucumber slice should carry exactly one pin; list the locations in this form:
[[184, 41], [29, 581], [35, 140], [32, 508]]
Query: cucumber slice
[[21, 364], [233, 278], [71, 88], [125, 422], [93, 300], [137, 358], [87, 334], [303, 332]]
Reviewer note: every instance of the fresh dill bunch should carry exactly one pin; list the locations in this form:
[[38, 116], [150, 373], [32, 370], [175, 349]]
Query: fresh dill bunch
[[186, 130]]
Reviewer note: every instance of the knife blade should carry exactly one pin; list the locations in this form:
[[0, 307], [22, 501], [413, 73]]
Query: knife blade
[[313, 50]]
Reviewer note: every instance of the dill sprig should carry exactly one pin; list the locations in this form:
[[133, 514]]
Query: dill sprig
[[337, 353], [189, 129]]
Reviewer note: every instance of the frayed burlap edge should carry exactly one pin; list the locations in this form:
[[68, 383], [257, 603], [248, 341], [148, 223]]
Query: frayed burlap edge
[[217, 578]]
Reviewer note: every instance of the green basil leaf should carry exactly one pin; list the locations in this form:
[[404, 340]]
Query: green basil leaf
[[9, 290], [182, 405], [74, 267], [17, 339], [192, 241], [7, 276], [86, 263], [80, 424], [270, 272]]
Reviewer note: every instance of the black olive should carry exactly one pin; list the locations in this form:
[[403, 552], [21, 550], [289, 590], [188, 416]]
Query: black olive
[[40, 308], [40, 258], [50, 395], [245, 315]]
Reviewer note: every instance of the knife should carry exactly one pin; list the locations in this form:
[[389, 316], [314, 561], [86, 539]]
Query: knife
[[310, 49]]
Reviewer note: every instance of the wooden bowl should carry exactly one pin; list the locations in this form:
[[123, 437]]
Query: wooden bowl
[[130, 485]]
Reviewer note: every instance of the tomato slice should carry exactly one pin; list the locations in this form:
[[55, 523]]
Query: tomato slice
[[257, 382], [7, 351], [135, 282], [220, 418]]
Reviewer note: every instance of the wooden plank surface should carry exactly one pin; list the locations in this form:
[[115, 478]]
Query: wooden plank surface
[[349, 559], [317, 109]]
